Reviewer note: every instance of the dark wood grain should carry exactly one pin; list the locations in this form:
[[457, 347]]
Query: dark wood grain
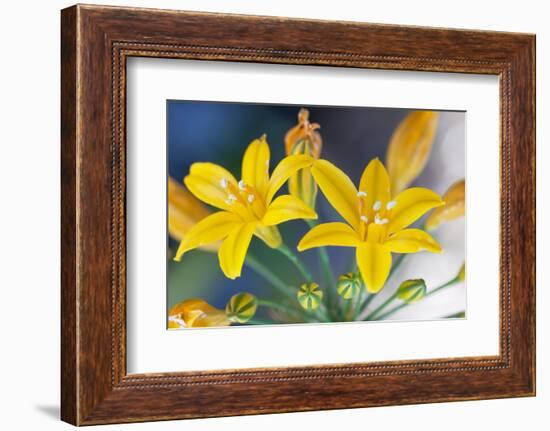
[[69, 367], [96, 41]]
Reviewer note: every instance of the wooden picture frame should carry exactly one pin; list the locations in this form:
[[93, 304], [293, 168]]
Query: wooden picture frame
[[96, 41]]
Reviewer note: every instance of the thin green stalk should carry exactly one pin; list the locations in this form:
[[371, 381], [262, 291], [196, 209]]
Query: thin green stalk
[[346, 309], [399, 307], [290, 255], [460, 314], [443, 286], [266, 273], [323, 314], [324, 259], [364, 304], [280, 307], [356, 301], [392, 311], [396, 264], [326, 269], [381, 307]]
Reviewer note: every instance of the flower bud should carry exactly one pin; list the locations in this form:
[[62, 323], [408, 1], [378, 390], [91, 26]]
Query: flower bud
[[196, 313], [349, 285], [454, 206], [184, 211], [309, 296], [241, 307], [410, 147], [412, 290], [303, 139]]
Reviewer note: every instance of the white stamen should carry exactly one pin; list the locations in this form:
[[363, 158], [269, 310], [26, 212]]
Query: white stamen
[[251, 198], [378, 220], [242, 185], [231, 197], [361, 194], [224, 183], [177, 320], [377, 205], [390, 205], [364, 218]]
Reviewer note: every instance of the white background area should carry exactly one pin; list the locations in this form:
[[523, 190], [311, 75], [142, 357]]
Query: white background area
[[30, 213], [151, 348]]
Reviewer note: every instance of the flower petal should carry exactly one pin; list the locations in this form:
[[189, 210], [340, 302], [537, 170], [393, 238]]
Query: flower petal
[[196, 313], [410, 147], [454, 206], [338, 189], [255, 166], [374, 261], [184, 211], [286, 167], [233, 249], [410, 205], [269, 234], [375, 182], [287, 207], [210, 229], [338, 234], [205, 182], [412, 241], [303, 186]]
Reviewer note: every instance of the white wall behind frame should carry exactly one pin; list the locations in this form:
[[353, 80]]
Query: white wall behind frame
[[30, 195]]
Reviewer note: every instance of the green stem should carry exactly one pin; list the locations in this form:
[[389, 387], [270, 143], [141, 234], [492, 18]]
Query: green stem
[[443, 286], [364, 304], [280, 307], [392, 311], [323, 313], [266, 273], [324, 258], [346, 309], [396, 264], [381, 307], [460, 314], [399, 307], [290, 255], [356, 301], [326, 269]]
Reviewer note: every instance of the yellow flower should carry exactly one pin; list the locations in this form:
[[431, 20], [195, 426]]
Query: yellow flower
[[196, 313], [303, 139], [410, 147], [376, 223], [453, 209], [248, 206], [184, 211]]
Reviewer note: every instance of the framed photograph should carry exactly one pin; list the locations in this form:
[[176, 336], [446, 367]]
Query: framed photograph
[[329, 214]]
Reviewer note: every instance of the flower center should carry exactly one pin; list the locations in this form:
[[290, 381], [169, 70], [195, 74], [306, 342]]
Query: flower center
[[377, 212], [245, 195]]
